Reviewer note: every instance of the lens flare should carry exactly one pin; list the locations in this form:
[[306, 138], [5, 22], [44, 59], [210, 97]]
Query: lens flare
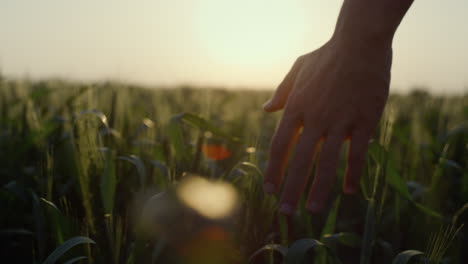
[[214, 200]]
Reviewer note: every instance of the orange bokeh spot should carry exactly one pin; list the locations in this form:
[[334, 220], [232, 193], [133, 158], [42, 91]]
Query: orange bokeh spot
[[214, 233], [211, 237], [215, 151]]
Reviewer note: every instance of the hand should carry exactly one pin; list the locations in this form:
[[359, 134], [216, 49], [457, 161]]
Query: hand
[[335, 93]]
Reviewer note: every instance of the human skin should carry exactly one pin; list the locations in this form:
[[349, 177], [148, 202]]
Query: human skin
[[335, 93]]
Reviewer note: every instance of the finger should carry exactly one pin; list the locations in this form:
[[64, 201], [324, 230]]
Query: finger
[[326, 172], [285, 136], [280, 97], [299, 170], [356, 160]]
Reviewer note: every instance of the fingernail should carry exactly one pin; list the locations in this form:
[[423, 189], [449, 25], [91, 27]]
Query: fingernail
[[269, 187], [314, 207], [286, 209]]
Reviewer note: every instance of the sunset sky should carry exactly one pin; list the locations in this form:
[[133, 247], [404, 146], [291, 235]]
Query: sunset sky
[[229, 43]]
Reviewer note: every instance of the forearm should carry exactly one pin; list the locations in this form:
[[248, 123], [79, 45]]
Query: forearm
[[370, 21]]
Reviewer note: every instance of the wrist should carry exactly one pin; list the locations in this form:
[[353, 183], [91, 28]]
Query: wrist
[[369, 43], [369, 24], [363, 39]]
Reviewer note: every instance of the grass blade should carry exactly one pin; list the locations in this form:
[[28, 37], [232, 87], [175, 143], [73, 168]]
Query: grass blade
[[330, 224], [397, 182], [369, 233], [74, 260], [177, 142], [344, 238], [405, 256], [63, 248], [297, 253], [267, 248], [108, 182], [15, 232], [55, 219], [203, 124], [139, 165]]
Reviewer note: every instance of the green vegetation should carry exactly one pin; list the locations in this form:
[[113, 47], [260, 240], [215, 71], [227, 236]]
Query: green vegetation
[[79, 163]]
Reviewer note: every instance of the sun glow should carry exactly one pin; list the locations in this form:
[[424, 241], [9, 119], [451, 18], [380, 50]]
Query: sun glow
[[249, 33]]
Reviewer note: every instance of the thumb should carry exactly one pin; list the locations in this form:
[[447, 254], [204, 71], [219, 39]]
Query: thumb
[[279, 99]]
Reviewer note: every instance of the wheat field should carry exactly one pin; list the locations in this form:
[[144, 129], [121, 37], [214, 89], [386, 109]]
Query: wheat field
[[116, 173]]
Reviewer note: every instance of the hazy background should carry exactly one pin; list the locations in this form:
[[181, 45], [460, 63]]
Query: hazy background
[[229, 43]]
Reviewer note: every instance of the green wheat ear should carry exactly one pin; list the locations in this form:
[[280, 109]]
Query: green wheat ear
[[440, 242]]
